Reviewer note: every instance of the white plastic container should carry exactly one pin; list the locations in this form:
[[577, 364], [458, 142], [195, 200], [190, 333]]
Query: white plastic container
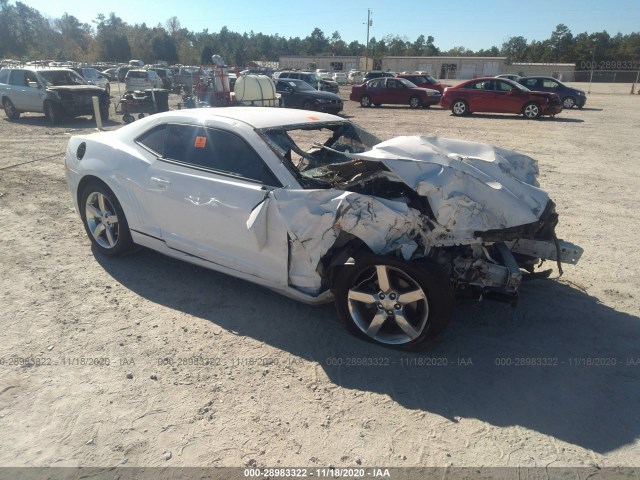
[[255, 90]]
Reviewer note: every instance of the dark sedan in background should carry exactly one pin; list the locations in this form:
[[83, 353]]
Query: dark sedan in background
[[570, 97], [499, 95], [398, 91], [299, 94]]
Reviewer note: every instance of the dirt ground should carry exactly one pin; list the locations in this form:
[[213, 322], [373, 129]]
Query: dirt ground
[[227, 373]]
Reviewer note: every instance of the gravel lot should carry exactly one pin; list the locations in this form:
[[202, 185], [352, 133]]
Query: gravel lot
[[227, 373]]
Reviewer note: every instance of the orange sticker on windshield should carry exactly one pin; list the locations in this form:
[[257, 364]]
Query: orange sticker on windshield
[[201, 142]]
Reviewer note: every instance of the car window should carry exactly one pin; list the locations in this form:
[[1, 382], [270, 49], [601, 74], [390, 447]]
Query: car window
[[552, 84], [4, 76], [530, 82], [502, 86], [153, 140], [478, 85], [376, 83], [17, 77], [31, 80], [216, 150]]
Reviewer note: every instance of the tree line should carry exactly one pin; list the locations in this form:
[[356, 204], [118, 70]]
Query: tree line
[[26, 34]]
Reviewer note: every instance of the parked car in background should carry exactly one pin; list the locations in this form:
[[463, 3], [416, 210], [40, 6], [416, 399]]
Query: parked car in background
[[299, 94], [509, 76], [355, 77], [139, 79], [424, 81], [111, 73], [499, 95], [166, 74], [377, 74], [340, 78], [391, 90], [56, 92], [320, 210], [121, 72], [313, 79], [93, 77], [324, 73], [570, 97]]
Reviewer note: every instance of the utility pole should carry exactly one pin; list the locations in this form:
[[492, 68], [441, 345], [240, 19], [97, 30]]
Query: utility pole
[[593, 62], [369, 24]]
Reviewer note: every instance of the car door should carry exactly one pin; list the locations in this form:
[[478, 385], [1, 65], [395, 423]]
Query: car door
[[480, 95], [288, 94], [26, 92], [376, 90], [508, 99], [396, 92], [201, 193]]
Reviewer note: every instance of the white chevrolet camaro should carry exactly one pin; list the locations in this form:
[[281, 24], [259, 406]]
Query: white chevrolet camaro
[[316, 208]]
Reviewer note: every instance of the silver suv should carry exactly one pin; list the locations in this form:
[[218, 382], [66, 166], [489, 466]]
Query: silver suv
[[56, 92]]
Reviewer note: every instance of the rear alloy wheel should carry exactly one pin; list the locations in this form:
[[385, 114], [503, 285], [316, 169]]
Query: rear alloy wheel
[[307, 105], [415, 102], [531, 110], [394, 303], [568, 102], [459, 108], [52, 112], [10, 109], [365, 101], [104, 220]]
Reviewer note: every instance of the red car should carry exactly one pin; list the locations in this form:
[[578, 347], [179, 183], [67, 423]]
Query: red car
[[393, 90], [424, 81], [499, 95]]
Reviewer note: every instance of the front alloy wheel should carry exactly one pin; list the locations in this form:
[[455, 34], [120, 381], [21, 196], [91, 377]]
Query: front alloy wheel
[[568, 102], [394, 303], [532, 110]]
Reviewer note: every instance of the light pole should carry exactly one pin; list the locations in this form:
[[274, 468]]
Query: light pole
[[366, 55], [593, 63]]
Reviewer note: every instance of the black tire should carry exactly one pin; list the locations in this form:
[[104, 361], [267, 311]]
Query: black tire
[[531, 110], [380, 315], [53, 112], [108, 89], [140, 116], [377, 105], [128, 118], [365, 101], [307, 105], [568, 102], [104, 113], [104, 220], [415, 102], [10, 109], [460, 108]]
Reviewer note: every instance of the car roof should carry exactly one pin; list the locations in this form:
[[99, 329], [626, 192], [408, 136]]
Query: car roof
[[256, 117]]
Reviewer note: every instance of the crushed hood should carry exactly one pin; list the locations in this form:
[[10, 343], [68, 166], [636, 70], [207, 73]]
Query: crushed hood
[[471, 187]]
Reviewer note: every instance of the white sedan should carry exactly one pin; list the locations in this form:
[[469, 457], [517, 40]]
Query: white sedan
[[386, 229]]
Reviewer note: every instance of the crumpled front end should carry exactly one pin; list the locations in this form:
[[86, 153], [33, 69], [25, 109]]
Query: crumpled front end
[[475, 209]]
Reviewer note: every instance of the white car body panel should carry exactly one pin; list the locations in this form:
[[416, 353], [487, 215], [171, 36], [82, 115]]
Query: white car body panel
[[277, 236]]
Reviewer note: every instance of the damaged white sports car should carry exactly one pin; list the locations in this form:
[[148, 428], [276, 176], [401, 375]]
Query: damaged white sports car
[[314, 207]]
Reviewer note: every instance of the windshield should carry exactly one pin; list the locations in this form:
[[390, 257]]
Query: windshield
[[314, 151], [61, 77]]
